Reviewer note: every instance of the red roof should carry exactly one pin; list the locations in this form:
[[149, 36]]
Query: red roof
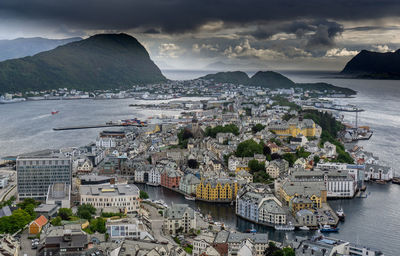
[[41, 221]]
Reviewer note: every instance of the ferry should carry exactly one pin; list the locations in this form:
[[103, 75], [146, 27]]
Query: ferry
[[340, 214], [288, 227], [328, 229], [191, 198]]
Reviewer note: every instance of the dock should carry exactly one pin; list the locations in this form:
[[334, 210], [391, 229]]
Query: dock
[[96, 126]]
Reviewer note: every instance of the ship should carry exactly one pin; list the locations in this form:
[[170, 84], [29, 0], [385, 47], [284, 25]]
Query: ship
[[288, 227], [4, 100], [304, 228], [54, 112], [340, 214], [396, 180], [328, 229]]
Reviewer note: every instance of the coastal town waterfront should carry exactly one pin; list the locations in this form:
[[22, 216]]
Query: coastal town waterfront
[[156, 155]]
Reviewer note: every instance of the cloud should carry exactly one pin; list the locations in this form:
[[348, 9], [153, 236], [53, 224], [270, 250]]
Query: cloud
[[336, 52], [244, 51], [170, 50], [382, 48]]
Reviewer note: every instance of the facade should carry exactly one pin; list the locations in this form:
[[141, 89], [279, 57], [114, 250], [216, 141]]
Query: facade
[[155, 176], [202, 245], [85, 166], [255, 202], [127, 228], [121, 196], [244, 175], [224, 190], [229, 243], [36, 173], [378, 172], [170, 178], [276, 167], [294, 127], [306, 218], [64, 242], [106, 142], [59, 194], [188, 184], [36, 226], [179, 218]]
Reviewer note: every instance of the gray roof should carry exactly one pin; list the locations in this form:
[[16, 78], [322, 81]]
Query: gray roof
[[5, 211], [176, 211], [272, 207], [110, 190]]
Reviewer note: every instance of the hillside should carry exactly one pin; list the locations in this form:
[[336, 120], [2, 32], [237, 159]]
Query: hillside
[[22, 47], [103, 61], [378, 65], [272, 80]]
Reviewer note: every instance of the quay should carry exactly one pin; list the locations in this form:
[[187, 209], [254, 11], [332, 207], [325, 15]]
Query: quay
[[96, 126]]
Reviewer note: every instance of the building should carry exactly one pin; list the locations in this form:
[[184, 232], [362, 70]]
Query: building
[[188, 184], [155, 176], [294, 127], [35, 173], [306, 218], [3, 181], [179, 218], [202, 245], [95, 180], [338, 183], [106, 142], [9, 245], [378, 172], [85, 166], [315, 191], [122, 197], [218, 190], [127, 228], [256, 203], [244, 175], [59, 194], [276, 167], [36, 226], [47, 210], [64, 242], [170, 178]]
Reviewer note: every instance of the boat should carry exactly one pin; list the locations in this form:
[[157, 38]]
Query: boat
[[252, 230], [396, 180], [304, 228], [54, 112], [288, 227], [191, 198], [340, 214], [4, 100], [381, 181], [328, 229]]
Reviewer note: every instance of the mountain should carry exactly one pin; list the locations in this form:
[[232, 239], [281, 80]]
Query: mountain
[[103, 61], [378, 65], [234, 77], [272, 80], [22, 47]]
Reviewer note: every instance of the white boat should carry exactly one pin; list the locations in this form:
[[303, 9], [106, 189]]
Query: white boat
[[340, 214], [190, 198], [288, 227], [305, 228], [4, 100]]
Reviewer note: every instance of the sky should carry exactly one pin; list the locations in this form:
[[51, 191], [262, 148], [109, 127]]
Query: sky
[[220, 34]]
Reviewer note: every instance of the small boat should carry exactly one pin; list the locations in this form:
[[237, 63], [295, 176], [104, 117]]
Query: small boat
[[381, 181], [328, 228], [191, 198], [396, 180], [251, 230], [54, 112], [304, 228], [340, 214]]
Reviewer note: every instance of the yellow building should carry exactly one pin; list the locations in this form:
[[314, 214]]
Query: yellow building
[[218, 189], [294, 127], [303, 195], [242, 168]]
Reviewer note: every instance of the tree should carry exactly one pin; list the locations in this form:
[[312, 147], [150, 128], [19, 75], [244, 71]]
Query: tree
[[98, 225], [248, 148], [258, 127], [267, 150], [85, 211], [65, 213], [143, 194], [275, 156], [56, 221], [316, 160]]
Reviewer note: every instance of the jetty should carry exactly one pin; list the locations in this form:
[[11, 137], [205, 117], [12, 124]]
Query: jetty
[[97, 126]]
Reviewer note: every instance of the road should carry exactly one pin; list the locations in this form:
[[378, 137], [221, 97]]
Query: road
[[157, 221]]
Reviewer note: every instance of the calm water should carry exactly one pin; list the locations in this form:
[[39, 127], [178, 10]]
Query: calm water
[[374, 221]]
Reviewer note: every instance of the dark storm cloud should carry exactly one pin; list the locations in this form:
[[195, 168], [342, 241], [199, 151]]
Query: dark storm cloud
[[178, 16]]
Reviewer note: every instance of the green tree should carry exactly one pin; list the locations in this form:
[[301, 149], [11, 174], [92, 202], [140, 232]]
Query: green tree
[[143, 194], [85, 211], [56, 221], [258, 127], [65, 213], [98, 225], [248, 148]]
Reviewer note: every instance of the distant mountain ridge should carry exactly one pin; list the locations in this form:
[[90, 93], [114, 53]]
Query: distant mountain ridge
[[271, 80], [377, 65], [104, 61], [22, 47]]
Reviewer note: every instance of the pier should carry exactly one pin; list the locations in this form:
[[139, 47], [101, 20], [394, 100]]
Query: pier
[[96, 126]]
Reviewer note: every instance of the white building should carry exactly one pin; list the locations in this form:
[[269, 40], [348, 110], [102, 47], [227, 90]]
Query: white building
[[59, 194], [105, 142], [155, 175], [128, 228], [123, 197], [179, 218], [378, 172]]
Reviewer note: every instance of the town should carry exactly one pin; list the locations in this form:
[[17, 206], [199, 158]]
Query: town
[[275, 157]]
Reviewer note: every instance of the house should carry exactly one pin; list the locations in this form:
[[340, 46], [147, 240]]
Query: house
[[9, 245], [244, 175], [179, 218], [85, 166], [35, 227], [188, 184], [378, 172], [170, 178], [128, 228], [202, 245], [221, 189], [276, 167], [62, 241], [306, 218], [47, 210]]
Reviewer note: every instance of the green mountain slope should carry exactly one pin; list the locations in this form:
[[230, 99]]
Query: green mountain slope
[[104, 61]]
